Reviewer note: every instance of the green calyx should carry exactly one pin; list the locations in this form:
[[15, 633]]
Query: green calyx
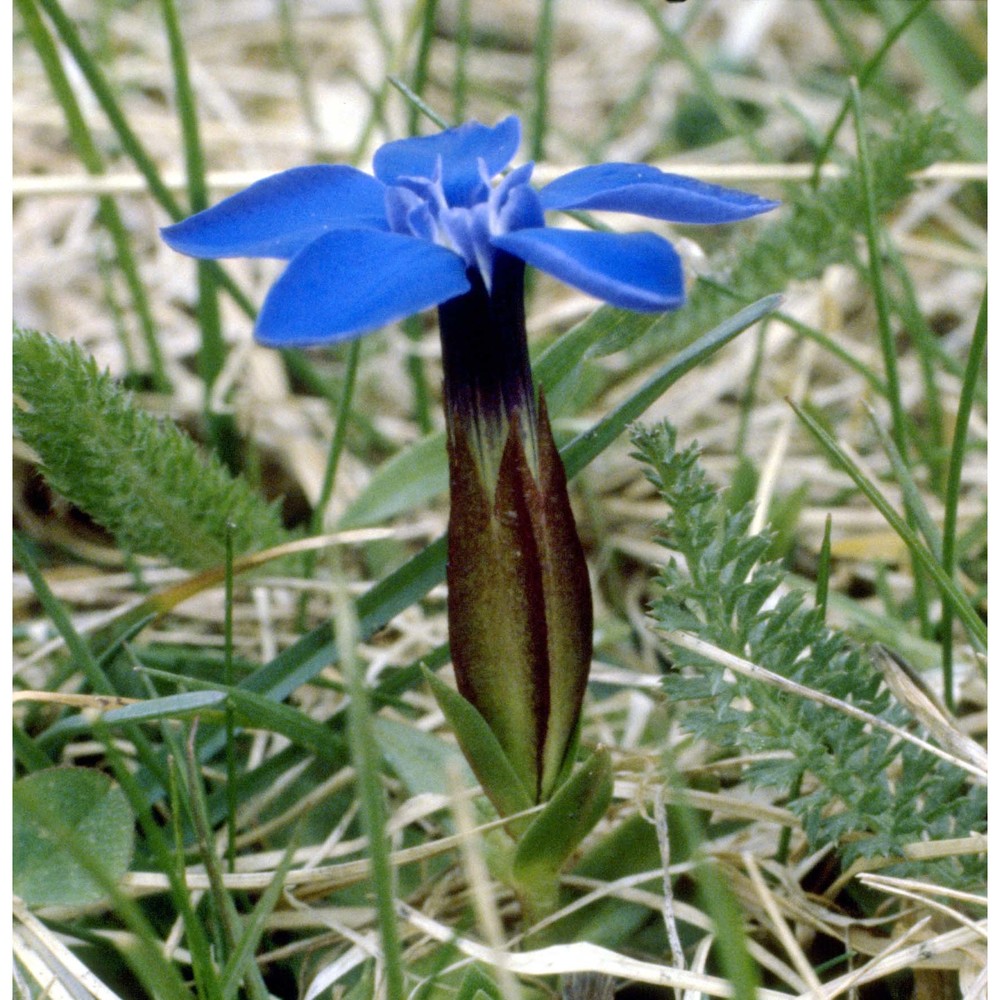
[[519, 604]]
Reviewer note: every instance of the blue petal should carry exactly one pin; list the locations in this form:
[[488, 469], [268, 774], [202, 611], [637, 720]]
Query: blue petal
[[280, 215], [459, 150], [350, 281], [645, 190], [515, 204], [638, 271]]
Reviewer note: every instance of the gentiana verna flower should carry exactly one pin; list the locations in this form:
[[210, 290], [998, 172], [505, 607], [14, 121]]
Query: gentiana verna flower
[[365, 251], [433, 227]]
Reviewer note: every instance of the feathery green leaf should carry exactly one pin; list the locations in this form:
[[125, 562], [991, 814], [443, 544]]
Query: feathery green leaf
[[142, 478]]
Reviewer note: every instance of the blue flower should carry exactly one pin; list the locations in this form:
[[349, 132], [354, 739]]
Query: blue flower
[[364, 251], [432, 228]]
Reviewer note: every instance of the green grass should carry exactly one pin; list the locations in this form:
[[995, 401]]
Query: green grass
[[272, 733]]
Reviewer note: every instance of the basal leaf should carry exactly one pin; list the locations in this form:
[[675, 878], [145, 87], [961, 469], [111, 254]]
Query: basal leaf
[[72, 833]]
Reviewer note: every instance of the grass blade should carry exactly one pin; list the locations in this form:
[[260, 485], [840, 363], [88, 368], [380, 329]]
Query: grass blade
[[242, 957], [912, 500], [977, 352], [865, 74], [367, 760], [921, 554], [543, 60], [886, 339], [90, 156], [104, 94], [225, 908], [581, 451]]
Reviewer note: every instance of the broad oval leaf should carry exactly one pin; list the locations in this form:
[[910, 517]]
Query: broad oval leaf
[[73, 833]]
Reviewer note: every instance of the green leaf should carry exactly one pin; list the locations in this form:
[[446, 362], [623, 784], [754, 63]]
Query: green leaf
[[582, 450], [406, 481], [169, 707], [88, 148], [561, 826], [420, 759], [72, 831], [477, 985], [256, 711], [949, 64], [243, 955], [482, 749], [921, 554], [622, 330], [143, 479]]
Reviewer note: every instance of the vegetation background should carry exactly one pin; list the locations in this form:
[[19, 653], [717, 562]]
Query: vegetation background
[[208, 840]]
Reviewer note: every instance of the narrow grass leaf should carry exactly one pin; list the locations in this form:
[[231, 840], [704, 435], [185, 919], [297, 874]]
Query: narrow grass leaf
[[950, 74], [105, 96], [412, 327], [730, 933], [171, 707], [52, 606], [88, 150], [227, 677], [912, 498], [242, 958], [367, 760], [171, 863], [417, 101], [582, 450], [864, 74], [886, 338], [948, 587], [341, 418], [973, 370], [253, 711], [222, 902], [823, 567], [724, 107], [540, 77], [212, 354], [719, 903], [460, 85], [130, 142], [428, 19]]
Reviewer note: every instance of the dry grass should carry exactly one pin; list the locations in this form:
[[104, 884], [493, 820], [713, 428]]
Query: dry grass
[[261, 114]]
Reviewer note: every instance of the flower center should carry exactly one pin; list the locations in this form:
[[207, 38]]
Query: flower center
[[418, 206]]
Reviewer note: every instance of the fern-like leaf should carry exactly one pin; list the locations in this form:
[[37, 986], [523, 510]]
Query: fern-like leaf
[[141, 478], [850, 785]]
